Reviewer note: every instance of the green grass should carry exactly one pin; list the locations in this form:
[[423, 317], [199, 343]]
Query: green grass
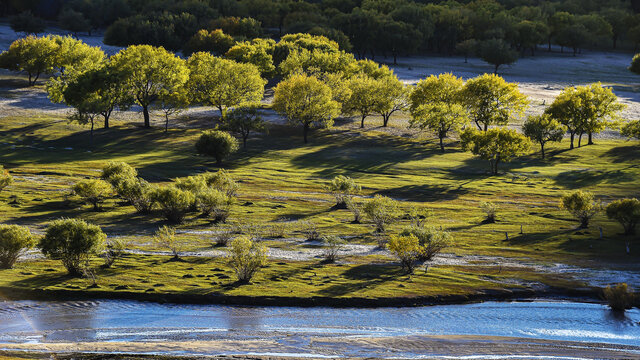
[[281, 178]]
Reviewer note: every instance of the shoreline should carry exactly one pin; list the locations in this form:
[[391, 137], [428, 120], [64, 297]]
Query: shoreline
[[592, 295]]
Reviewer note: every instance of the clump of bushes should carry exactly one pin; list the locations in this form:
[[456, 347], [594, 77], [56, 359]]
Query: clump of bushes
[[73, 242], [310, 230], [619, 297], [92, 191], [138, 193], [246, 257], [406, 249], [627, 213], [356, 210], [116, 171], [490, 209], [343, 188], [582, 206], [5, 178], [430, 240], [14, 240], [381, 210], [173, 202], [214, 202], [217, 144]]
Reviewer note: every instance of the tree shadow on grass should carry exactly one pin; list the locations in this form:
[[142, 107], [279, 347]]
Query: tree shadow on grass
[[576, 179], [424, 192], [625, 153], [43, 280], [363, 276]]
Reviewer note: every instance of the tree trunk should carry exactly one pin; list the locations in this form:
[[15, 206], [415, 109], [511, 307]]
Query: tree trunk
[[542, 149], [395, 59], [362, 121], [106, 116], [91, 134], [441, 143], [572, 137], [166, 122], [580, 139], [466, 58], [486, 126], [244, 140], [385, 120], [615, 41], [305, 130], [145, 113], [590, 137]]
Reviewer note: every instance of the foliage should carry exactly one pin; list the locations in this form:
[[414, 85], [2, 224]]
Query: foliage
[[317, 63], [73, 21], [162, 29], [582, 205], [305, 101], [497, 52], [73, 242], [364, 97], [137, 192], [223, 83], [218, 144], [244, 120], [406, 248], [635, 64], [490, 209], [430, 240], [173, 202], [246, 257], [214, 202], [619, 297], [115, 171], [333, 244], [215, 41], [257, 52], [92, 191], [381, 210], [492, 101], [172, 103], [14, 240], [392, 96], [356, 210], [114, 250], [5, 178], [34, 55], [243, 27], [343, 188], [467, 48], [631, 129], [165, 237], [543, 129], [27, 23], [496, 145], [222, 181], [626, 212]]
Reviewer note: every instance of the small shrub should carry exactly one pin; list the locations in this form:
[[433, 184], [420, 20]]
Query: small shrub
[[381, 210], [116, 171], [14, 240], [175, 203], [582, 205], [92, 191], [166, 238], [246, 257], [138, 193], [73, 242], [277, 230], [406, 249], [356, 210], [221, 181], [309, 230], [490, 209], [218, 144], [114, 250], [333, 244], [194, 184], [223, 237], [619, 297], [343, 188], [214, 202], [430, 240], [5, 178]]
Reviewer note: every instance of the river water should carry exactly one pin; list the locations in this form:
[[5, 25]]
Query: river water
[[38, 322]]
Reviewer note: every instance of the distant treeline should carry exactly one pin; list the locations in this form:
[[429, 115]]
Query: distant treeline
[[364, 27]]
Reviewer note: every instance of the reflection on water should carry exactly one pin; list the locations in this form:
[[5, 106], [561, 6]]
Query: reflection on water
[[24, 321]]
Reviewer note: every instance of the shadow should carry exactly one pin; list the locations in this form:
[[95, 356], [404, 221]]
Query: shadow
[[363, 276], [624, 153], [576, 179], [43, 280], [424, 192]]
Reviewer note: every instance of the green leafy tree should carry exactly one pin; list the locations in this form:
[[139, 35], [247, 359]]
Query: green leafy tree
[[492, 101], [620, 297], [115, 171], [497, 53], [137, 192], [215, 203], [406, 249], [148, 72], [73, 242], [635, 64], [33, 55], [364, 97], [626, 212], [174, 203], [215, 41], [582, 205], [392, 96], [317, 63], [73, 21], [216, 143], [14, 240], [529, 34], [172, 103], [243, 121], [496, 145], [543, 129], [430, 240], [27, 23], [92, 191], [467, 48], [5, 178], [343, 188], [258, 52], [381, 210], [223, 83], [631, 129], [306, 101], [246, 257]]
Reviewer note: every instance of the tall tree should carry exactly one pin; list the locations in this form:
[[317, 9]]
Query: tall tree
[[364, 97], [496, 145], [497, 53], [33, 55], [393, 96], [543, 129]]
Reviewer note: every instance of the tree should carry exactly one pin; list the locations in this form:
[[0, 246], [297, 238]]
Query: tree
[[496, 145], [492, 101], [246, 257], [33, 55], [172, 103], [73, 21], [92, 191], [619, 297], [490, 210], [5, 178], [616, 18], [406, 249], [582, 205], [497, 52], [14, 240], [364, 97], [215, 41], [73, 242], [27, 23], [223, 83], [173, 202], [467, 48], [574, 36], [530, 34], [627, 213], [635, 64], [216, 143], [542, 129], [430, 240], [244, 120], [343, 188], [381, 210], [165, 237], [305, 101], [115, 171], [317, 63], [631, 129], [392, 97], [137, 192], [257, 52], [148, 72]]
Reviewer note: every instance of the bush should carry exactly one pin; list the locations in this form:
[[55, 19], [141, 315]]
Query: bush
[[218, 144], [430, 240], [356, 210], [166, 238], [5, 178], [381, 210], [626, 212], [342, 188], [92, 191], [116, 171], [214, 202], [138, 193], [406, 249], [277, 230], [221, 181], [114, 250], [246, 257], [223, 237], [582, 205], [619, 297], [14, 240], [635, 64], [333, 244], [310, 230], [73, 242], [175, 203], [490, 210], [631, 129]]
